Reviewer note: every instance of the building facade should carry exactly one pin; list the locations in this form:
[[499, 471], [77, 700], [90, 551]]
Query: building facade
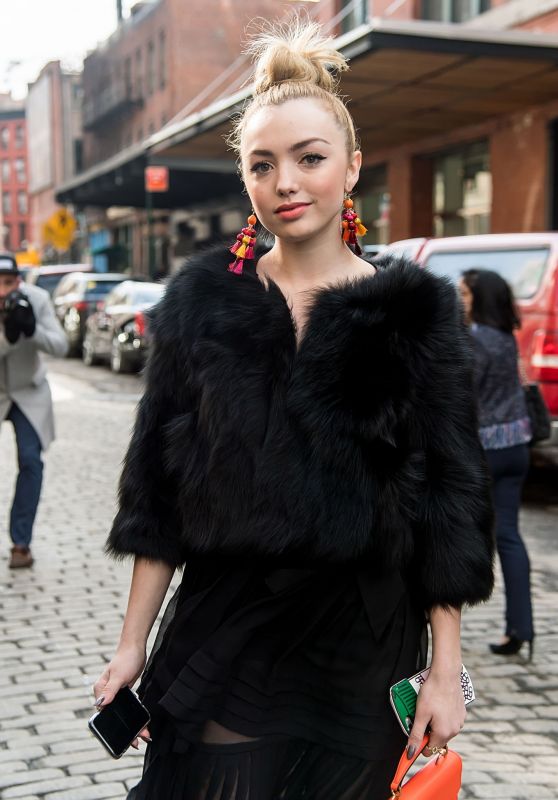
[[14, 214], [494, 177], [53, 108], [456, 106], [159, 59]]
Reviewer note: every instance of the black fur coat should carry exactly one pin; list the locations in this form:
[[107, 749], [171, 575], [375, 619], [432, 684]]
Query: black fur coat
[[360, 445]]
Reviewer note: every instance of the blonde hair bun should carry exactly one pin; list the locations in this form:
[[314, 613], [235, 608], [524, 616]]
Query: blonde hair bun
[[297, 52]]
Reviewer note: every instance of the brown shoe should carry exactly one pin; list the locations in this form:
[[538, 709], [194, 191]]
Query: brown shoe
[[20, 557]]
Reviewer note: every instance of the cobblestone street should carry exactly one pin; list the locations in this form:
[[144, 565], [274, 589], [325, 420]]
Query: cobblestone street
[[59, 623]]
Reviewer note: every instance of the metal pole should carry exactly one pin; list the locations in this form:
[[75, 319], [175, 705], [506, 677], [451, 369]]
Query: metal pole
[[150, 243]]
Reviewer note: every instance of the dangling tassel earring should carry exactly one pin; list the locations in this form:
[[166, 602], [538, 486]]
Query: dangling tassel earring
[[352, 226], [243, 248]]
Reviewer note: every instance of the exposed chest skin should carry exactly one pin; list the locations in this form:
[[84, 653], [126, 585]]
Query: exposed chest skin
[[300, 300]]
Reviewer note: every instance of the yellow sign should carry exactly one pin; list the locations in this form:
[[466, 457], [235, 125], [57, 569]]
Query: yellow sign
[[60, 229]]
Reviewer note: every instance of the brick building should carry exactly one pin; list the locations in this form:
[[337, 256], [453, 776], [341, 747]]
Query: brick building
[[14, 214], [54, 135], [456, 102]]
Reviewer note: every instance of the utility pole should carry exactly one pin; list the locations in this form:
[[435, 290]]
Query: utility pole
[[119, 14]]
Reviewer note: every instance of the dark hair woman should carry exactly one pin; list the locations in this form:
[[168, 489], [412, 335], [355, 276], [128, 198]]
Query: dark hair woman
[[306, 449], [504, 433]]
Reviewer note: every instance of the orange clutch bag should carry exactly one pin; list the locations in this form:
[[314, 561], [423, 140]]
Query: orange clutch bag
[[440, 779]]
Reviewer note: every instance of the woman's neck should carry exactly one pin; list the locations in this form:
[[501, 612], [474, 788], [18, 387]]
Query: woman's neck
[[301, 265]]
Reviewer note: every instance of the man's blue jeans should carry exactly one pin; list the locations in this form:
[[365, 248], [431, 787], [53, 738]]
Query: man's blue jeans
[[29, 480]]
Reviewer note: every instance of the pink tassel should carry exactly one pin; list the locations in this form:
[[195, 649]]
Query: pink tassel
[[236, 266]]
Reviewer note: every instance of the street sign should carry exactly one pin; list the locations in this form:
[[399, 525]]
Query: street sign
[[156, 179], [59, 229]]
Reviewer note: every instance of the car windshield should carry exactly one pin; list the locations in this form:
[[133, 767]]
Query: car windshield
[[95, 288], [48, 282], [146, 295], [522, 268]]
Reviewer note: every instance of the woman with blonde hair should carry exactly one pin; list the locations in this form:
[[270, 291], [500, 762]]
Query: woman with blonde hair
[[306, 450]]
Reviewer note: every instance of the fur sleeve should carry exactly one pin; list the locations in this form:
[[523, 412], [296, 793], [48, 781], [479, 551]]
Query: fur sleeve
[[453, 562], [146, 524]]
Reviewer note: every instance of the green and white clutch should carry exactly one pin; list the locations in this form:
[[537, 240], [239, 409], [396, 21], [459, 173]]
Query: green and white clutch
[[403, 696]]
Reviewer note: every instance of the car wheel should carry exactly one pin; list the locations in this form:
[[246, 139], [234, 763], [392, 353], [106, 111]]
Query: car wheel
[[88, 355], [118, 361]]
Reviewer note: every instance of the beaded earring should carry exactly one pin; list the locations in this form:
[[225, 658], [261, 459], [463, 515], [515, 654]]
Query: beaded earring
[[243, 248], [352, 226]]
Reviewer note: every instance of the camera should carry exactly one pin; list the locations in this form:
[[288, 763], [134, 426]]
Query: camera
[[15, 299]]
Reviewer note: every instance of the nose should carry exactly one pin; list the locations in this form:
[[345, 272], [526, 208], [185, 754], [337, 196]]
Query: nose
[[286, 182]]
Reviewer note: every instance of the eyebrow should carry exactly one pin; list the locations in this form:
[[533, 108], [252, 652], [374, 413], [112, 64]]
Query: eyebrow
[[293, 148]]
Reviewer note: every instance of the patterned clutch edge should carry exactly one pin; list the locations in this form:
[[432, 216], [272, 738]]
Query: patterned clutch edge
[[403, 695]]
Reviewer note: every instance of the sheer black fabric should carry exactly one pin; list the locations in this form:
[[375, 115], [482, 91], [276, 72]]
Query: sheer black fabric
[[300, 660], [270, 769]]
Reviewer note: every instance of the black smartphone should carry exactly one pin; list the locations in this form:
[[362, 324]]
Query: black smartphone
[[117, 725]]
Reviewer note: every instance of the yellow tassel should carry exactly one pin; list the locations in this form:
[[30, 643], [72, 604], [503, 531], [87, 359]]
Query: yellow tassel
[[360, 229], [246, 240], [241, 252]]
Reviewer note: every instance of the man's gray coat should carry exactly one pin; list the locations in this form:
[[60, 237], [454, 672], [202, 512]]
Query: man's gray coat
[[22, 371]]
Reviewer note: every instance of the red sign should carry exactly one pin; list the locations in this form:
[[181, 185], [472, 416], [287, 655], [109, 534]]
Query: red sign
[[156, 179]]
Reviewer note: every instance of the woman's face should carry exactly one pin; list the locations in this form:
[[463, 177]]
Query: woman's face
[[296, 168], [466, 299]]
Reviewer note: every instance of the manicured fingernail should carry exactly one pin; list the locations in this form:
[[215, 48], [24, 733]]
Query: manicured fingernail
[[99, 702], [411, 750], [148, 738], [135, 746]]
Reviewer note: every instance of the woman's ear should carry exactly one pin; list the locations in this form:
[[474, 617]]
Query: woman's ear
[[353, 171]]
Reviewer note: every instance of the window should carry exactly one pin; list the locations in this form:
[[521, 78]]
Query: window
[[522, 268], [22, 202], [6, 171], [22, 229], [463, 191], [453, 10], [78, 155], [357, 11], [19, 165], [128, 77], [139, 74], [140, 134], [6, 203], [8, 239], [162, 60], [19, 137], [151, 128], [150, 68], [4, 138], [373, 204]]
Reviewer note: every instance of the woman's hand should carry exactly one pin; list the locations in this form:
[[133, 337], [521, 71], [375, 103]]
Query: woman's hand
[[440, 709], [124, 669]]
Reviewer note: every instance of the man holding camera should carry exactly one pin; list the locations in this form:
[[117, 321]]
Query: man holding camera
[[27, 325]]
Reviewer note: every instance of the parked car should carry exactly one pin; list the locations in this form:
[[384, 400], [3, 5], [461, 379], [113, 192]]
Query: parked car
[[49, 277], [372, 251], [529, 263], [118, 331], [76, 297]]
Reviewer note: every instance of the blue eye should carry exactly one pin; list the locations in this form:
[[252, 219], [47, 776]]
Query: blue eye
[[261, 167]]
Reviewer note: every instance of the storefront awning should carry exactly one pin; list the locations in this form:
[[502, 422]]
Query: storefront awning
[[407, 81], [119, 181]]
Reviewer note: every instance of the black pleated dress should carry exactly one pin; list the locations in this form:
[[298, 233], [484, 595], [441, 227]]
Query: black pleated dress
[[298, 660]]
